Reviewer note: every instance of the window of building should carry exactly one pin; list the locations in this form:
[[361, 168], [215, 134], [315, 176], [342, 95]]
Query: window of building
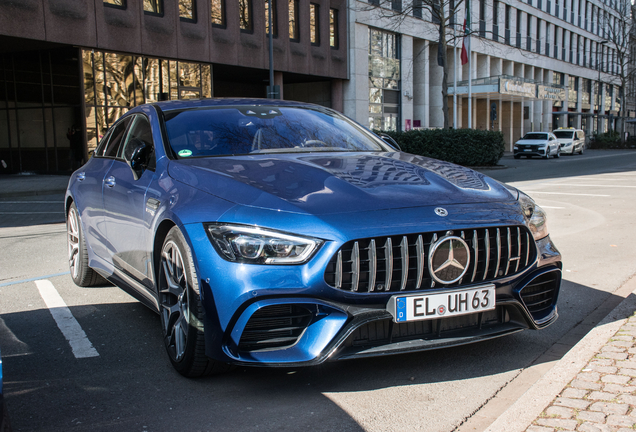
[[294, 34], [507, 17], [314, 24], [396, 5], [246, 22], [333, 28], [384, 80], [556, 8], [153, 7], [217, 13], [417, 8], [451, 8], [518, 28], [187, 10], [114, 83], [274, 15], [557, 78], [538, 48], [495, 12], [120, 4]]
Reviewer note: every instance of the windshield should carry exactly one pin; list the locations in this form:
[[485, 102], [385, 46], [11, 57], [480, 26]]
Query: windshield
[[563, 134], [263, 129], [535, 136]]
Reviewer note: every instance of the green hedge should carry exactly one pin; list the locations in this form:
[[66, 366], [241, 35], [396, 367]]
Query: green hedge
[[468, 147], [611, 140]]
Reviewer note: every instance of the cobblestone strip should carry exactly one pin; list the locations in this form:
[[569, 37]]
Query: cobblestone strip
[[602, 397]]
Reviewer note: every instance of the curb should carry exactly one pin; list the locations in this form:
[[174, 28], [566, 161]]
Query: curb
[[520, 415]]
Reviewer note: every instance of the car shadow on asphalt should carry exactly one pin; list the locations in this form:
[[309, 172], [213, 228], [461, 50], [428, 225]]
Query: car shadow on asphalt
[[132, 383]]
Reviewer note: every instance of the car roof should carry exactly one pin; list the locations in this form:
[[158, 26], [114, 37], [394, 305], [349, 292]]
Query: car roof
[[216, 102]]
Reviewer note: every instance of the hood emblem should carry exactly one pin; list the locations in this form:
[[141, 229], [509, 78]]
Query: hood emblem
[[449, 259], [441, 212]]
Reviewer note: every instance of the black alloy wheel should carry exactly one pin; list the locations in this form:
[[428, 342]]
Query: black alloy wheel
[[181, 310]]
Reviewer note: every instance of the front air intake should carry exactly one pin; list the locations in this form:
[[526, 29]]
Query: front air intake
[[275, 327], [539, 295]]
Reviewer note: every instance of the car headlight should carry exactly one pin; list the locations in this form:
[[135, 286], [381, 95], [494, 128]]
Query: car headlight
[[534, 215], [254, 245]]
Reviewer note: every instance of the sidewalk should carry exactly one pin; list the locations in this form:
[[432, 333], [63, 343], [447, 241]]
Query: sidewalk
[[591, 389], [31, 185]]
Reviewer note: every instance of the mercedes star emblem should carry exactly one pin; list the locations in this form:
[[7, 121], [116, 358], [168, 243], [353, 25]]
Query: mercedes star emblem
[[441, 212], [449, 259]]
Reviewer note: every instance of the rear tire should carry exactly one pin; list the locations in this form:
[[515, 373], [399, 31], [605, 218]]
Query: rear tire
[[81, 273], [181, 311], [558, 154]]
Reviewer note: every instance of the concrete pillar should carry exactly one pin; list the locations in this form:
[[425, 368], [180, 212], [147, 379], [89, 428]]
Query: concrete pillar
[[278, 80], [420, 81], [356, 88], [337, 102], [436, 74], [406, 72]]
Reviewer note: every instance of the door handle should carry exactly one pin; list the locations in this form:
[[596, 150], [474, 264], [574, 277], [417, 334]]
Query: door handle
[[110, 181], [81, 176]]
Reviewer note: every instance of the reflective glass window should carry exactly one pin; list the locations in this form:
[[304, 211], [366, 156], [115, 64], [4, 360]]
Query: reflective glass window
[[245, 16], [153, 6], [115, 3], [187, 10], [294, 34], [112, 147], [314, 24], [333, 28], [274, 15], [217, 13]]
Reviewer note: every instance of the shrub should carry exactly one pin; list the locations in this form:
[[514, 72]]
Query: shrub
[[468, 147], [611, 140]]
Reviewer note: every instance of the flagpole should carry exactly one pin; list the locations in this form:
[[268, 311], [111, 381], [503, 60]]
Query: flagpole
[[454, 76], [470, 71]]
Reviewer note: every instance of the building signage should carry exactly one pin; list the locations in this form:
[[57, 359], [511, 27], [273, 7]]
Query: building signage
[[551, 93], [517, 88]]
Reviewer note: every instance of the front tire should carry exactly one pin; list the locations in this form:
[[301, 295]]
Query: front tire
[[81, 273], [182, 313]]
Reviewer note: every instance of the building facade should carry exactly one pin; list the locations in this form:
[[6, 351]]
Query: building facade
[[69, 68], [535, 65]]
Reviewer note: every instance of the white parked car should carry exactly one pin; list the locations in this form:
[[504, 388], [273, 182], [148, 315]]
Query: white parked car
[[543, 144], [571, 140]]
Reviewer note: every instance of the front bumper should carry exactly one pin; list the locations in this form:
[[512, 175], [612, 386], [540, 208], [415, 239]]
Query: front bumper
[[293, 326], [531, 151]]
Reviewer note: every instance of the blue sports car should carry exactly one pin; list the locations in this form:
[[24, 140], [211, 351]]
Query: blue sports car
[[276, 233]]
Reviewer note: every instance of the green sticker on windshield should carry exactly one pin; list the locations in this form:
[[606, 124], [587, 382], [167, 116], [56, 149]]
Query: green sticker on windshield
[[185, 153]]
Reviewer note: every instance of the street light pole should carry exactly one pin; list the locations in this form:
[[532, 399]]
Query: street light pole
[[598, 66]]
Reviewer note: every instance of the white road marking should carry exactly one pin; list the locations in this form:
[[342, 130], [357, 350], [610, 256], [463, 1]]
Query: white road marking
[[564, 193], [65, 320], [591, 185]]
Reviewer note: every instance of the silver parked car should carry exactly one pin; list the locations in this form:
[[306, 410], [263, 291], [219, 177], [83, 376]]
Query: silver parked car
[[543, 144], [571, 140]]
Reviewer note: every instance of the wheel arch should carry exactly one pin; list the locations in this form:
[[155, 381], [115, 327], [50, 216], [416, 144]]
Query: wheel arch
[[160, 235]]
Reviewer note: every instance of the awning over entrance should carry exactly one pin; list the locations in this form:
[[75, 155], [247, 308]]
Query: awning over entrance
[[514, 88]]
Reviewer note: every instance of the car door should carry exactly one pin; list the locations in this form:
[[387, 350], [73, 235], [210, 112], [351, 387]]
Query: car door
[[124, 195]]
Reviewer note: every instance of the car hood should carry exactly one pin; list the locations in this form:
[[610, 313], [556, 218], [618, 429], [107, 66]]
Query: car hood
[[327, 183], [531, 142]]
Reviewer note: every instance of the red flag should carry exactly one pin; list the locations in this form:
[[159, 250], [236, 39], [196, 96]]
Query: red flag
[[466, 42]]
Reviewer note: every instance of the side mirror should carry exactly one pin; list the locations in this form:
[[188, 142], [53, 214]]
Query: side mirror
[[139, 158], [390, 141]]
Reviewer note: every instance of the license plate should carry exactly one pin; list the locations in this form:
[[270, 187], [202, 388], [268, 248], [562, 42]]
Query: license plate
[[528, 150], [418, 307]]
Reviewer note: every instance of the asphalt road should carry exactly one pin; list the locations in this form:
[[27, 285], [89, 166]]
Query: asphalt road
[[128, 383]]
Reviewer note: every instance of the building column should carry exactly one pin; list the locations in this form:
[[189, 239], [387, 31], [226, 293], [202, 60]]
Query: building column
[[356, 88], [420, 82], [436, 74], [407, 69]]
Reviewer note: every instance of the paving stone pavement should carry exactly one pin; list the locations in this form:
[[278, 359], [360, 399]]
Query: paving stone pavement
[[602, 397]]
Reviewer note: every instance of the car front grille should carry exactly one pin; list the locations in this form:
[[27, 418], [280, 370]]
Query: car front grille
[[539, 295], [400, 263], [275, 327]]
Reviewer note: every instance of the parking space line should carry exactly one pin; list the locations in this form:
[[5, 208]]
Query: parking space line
[[4, 284], [65, 320], [564, 193]]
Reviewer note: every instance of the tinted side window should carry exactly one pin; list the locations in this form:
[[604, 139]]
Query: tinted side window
[[112, 148], [102, 144]]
